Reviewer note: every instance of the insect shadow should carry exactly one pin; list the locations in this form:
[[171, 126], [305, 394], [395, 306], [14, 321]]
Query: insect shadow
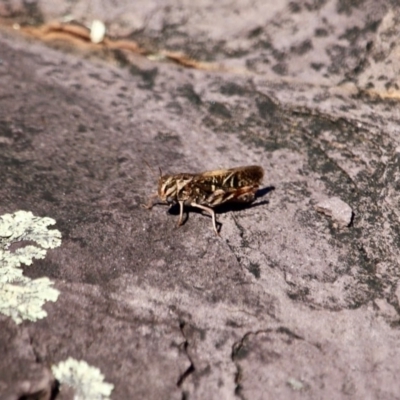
[[225, 207]]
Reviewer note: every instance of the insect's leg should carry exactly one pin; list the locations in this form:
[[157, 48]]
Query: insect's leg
[[211, 212], [180, 213], [152, 201]]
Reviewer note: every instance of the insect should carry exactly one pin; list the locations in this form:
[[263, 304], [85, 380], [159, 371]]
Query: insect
[[208, 189]]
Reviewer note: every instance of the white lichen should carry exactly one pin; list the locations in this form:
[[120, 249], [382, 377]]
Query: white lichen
[[86, 381], [22, 298], [97, 31]]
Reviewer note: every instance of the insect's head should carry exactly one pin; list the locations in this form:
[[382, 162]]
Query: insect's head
[[166, 185], [167, 188]]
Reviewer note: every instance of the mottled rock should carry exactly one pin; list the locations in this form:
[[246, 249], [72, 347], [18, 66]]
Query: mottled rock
[[280, 303]]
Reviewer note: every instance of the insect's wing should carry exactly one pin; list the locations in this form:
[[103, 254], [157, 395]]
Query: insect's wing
[[232, 178], [228, 185], [250, 175], [215, 172]]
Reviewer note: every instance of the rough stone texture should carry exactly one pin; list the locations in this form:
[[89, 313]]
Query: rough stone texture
[[21, 373], [282, 305]]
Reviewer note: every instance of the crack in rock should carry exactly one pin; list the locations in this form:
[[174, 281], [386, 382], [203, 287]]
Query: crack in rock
[[191, 367], [239, 351]]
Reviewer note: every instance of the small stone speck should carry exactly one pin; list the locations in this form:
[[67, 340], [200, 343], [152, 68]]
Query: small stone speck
[[340, 212]]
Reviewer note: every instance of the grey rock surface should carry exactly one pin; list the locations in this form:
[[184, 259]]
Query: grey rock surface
[[21, 374], [281, 305]]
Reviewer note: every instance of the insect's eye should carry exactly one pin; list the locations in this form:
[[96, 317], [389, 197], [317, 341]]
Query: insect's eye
[[170, 200]]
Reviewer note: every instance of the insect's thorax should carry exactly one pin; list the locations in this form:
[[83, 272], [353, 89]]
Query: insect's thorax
[[173, 188]]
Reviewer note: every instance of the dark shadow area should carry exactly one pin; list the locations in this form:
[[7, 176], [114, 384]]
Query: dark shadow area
[[264, 191], [55, 390]]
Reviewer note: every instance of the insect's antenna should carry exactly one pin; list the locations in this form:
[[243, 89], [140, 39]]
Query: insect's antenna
[[151, 169], [159, 168]]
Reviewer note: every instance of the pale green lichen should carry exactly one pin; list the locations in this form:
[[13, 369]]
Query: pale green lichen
[[295, 384], [22, 298], [9, 274], [24, 255], [86, 381], [23, 225]]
